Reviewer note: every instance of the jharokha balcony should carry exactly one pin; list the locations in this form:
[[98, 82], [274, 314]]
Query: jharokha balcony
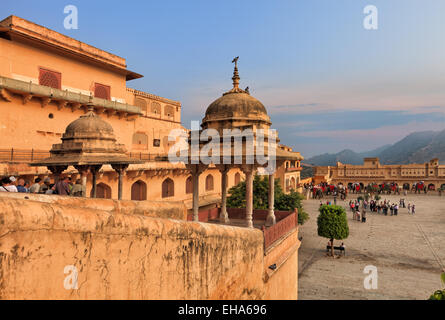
[[286, 221]]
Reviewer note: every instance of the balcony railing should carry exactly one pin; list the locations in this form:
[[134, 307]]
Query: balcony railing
[[286, 221], [29, 155]]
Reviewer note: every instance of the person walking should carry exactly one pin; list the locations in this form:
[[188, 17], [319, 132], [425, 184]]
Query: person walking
[[413, 208], [364, 216]]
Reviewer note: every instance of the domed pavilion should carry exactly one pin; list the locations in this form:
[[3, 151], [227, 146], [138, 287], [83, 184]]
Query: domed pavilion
[[87, 144], [246, 141]]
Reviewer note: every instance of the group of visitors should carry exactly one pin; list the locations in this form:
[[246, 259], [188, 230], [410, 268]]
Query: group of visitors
[[358, 215], [384, 207], [64, 186]]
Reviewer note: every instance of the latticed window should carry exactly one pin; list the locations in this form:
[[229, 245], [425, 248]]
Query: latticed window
[[141, 103], [50, 78], [102, 91], [189, 185], [168, 188], [209, 182]]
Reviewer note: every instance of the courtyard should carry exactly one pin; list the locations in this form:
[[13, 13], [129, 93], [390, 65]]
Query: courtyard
[[408, 251]]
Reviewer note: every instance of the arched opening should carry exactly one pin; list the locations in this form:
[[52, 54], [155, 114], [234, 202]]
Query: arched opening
[[292, 183], [169, 111], [155, 108], [168, 188], [189, 185], [139, 191], [141, 103], [140, 140], [442, 186], [431, 187], [237, 178], [209, 182], [406, 186], [103, 191]]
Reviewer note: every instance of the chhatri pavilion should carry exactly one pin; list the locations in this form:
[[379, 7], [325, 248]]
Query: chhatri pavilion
[[237, 109]]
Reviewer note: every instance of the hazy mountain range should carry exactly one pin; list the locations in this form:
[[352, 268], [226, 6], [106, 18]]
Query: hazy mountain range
[[417, 147]]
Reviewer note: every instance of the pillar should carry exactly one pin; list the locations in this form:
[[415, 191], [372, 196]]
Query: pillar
[[271, 220], [120, 169], [195, 174], [94, 170], [224, 217], [248, 171]]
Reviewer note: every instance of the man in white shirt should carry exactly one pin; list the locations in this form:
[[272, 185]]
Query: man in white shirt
[[7, 185]]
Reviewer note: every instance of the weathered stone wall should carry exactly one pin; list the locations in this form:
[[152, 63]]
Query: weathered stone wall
[[122, 256], [120, 253]]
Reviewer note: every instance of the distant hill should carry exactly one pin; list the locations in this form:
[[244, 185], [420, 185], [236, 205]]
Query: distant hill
[[417, 147]]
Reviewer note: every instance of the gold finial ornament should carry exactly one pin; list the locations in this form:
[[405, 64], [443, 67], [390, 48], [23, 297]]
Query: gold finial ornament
[[235, 77]]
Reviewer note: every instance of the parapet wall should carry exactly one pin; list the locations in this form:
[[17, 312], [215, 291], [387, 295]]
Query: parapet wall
[[131, 256]]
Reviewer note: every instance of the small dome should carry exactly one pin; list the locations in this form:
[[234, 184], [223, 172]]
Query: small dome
[[236, 105], [89, 125]]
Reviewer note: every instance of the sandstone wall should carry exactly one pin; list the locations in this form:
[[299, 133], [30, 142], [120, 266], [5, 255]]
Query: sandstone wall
[[121, 256]]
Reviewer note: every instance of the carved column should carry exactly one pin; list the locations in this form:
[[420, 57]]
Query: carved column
[[223, 217], [196, 170], [271, 220], [248, 171], [94, 170], [120, 169], [57, 170]]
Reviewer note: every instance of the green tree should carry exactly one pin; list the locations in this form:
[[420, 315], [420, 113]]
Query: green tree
[[285, 202], [439, 294], [332, 224]]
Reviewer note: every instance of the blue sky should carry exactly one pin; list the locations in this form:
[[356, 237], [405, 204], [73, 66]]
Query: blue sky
[[327, 83]]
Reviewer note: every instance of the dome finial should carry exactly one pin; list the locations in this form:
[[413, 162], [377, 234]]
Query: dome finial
[[235, 77]]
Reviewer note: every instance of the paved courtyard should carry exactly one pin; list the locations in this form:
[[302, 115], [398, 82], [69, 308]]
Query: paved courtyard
[[408, 251]]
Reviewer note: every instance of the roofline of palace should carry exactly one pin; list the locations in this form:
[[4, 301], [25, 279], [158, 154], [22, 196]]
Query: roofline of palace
[[19, 29]]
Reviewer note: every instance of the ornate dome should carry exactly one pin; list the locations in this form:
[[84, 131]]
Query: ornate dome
[[89, 126], [236, 104]]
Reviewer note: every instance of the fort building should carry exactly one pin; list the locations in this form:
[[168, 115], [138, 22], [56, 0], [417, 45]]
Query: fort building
[[65, 107], [48, 80], [372, 171]]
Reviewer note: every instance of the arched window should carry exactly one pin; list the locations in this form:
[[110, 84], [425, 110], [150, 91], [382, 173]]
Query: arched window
[[168, 188], [209, 182], [189, 185], [237, 178], [292, 183], [139, 191], [155, 108], [169, 111], [141, 103], [103, 191], [140, 140]]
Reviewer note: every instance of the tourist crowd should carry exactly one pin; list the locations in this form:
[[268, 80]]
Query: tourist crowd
[[359, 207], [64, 186]]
